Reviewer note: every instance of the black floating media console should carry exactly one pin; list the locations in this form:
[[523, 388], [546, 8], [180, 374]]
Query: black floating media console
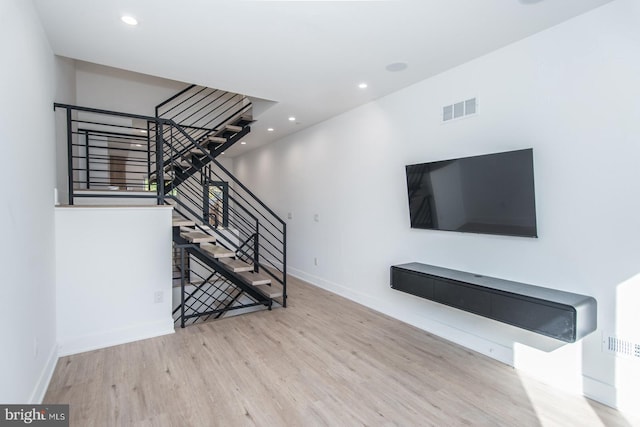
[[557, 314]]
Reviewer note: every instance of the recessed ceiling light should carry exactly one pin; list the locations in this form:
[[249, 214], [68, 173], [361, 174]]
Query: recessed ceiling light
[[137, 145], [292, 119], [129, 20], [243, 143], [270, 130], [397, 66], [363, 85]]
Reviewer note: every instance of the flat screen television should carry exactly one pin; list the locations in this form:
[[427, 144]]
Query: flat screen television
[[491, 194]]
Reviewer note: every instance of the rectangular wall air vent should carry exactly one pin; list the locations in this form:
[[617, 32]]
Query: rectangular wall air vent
[[459, 110], [621, 347]]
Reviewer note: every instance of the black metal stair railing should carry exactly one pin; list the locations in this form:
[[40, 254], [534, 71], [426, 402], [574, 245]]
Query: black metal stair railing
[[203, 113], [200, 188], [261, 233], [107, 150]]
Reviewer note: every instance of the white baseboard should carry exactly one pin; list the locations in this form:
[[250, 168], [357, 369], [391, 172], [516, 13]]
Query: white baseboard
[[610, 396], [74, 345], [45, 378], [597, 390]]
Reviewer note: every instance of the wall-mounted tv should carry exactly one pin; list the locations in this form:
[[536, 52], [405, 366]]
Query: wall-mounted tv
[[491, 194]]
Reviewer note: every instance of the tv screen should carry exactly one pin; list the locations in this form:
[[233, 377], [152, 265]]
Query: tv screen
[[491, 194]]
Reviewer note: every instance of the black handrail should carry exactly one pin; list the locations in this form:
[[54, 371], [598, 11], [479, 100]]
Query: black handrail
[[183, 91], [267, 208], [106, 112]]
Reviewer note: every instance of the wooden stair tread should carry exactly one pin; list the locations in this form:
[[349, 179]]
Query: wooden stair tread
[[255, 279], [197, 237], [195, 152], [216, 139], [217, 251], [233, 128], [166, 178], [179, 221], [176, 283], [243, 120], [236, 265], [168, 175], [272, 291], [197, 283]]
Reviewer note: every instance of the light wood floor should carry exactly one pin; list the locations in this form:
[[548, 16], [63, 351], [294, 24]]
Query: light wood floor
[[323, 361]]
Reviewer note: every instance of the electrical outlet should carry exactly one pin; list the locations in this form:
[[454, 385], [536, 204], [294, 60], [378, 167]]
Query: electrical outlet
[[316, 218], [158, 297], [289, 215], [315, 261], [35, 347]]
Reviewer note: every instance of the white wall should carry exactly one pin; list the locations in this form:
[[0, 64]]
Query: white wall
[[32, 80], [27, 136], [106, 295], [572, 94], [114, 89]]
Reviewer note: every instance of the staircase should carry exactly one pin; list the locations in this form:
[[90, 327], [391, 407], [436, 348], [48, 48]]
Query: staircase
[[218, 280], [229, 247], [211, 122]]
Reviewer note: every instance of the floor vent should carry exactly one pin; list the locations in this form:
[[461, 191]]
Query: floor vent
[[621, 347]]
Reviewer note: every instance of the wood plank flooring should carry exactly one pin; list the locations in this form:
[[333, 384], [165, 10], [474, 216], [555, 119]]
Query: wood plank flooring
[[323, 361]]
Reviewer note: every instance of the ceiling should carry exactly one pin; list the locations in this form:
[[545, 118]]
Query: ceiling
[[308, 57]]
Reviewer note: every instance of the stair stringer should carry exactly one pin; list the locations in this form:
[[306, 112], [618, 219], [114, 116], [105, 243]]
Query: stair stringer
[[199, 163]]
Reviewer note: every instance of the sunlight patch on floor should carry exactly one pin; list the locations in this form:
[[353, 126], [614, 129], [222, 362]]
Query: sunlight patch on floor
[[544, 400]]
